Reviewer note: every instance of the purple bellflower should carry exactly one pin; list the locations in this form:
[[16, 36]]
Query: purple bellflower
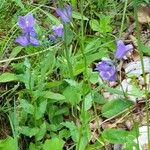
[[52, 38], [107, 70], [28, 32], [65, 13], [58, 30], [122, 49]]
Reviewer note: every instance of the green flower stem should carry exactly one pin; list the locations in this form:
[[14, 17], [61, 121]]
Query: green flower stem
[[85, 77], [67, 54], [123, 18]]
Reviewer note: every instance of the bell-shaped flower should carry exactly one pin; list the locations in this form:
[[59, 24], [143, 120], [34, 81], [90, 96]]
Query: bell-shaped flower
[[58, 30], [27, 23], [122, 49], [29, 35], [52, 38], [65, 13], [107, 70]]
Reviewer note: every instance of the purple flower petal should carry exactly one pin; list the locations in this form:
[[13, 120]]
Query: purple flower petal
[[29, 35], [122, 49], [52, 38], [22, 22], [26, 22], [129, 47], [34, 41], [23, 40], [104, 65], [107, 70], [30, 21], [113, 77], [68, 10], [65, 13], [58, 30]]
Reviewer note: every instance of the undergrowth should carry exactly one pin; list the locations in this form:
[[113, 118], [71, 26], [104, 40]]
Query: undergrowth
[[51, 94]]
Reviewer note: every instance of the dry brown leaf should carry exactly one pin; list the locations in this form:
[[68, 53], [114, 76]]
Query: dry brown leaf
[[144, 15], [133, 39]]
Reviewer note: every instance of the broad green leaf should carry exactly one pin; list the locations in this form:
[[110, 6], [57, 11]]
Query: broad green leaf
[[95, 25], [8, 77], [105, 24], [32, 146], [145, 49], [64, 133], [26, 106], [68, 34], [41, 132], [53, 84], [98, 98], [96, 56], [71, 82], [88, 102], [52, 95], [28, 131], [92, 45], [61, 111], [40, 110], [78, 15], [94, 77], [115, 136], [53, 144], [115, 107], [72, 95], [8, 144]]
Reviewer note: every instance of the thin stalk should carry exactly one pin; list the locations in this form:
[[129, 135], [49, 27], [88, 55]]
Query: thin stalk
[[85, 72], [30, 55], [143, 70], [120, 34], [67, 53], [85, 69], [123, 18]]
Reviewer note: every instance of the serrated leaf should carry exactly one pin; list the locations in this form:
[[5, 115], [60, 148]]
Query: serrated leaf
[[72, 95], [53, 144], [73, 130], [115, 107], [115, 136], [105, 24], [8, 77]]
